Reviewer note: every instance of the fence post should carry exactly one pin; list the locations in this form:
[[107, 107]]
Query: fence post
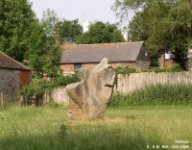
[[2, 98], [45, 97]]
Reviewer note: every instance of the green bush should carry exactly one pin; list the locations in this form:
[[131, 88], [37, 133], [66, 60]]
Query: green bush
[[37, 87], [129, 69], [125, 70], [174, 68], [28, 92], [65, 80], [159, 94]]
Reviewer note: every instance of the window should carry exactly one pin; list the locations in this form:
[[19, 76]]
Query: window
[[77, 66]]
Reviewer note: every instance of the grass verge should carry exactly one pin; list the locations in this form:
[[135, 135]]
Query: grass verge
[[131, 128], [180, 94]]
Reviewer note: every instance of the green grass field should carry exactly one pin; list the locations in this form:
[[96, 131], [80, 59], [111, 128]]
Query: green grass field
[[130, 128]]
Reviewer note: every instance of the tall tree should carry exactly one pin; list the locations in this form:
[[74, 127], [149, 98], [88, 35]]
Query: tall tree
[[101, 33], [45, 58], [70, 30], [16, 26], [49, 21], [162, 24], [24, 38]]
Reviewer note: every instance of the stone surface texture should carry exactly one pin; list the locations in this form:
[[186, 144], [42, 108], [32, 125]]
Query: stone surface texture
[[90, 97]]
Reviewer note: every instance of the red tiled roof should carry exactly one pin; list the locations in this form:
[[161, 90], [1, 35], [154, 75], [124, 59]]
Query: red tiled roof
[[9, 63]]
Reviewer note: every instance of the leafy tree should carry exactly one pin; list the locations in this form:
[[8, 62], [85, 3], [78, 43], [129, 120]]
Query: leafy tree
[[16, 26], [45, 58], [101, 33], [24, 38], [137, 28], [69, 30], [49, 21], [164, 25]]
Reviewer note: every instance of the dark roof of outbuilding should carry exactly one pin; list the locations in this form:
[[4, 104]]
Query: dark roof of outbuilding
[[94, 53], [9, 63]]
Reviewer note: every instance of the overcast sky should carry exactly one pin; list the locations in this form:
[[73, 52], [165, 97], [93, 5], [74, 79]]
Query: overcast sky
[[92, 10]]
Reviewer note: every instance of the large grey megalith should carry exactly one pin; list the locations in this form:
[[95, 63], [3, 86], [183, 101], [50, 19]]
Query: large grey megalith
[[90, 97]]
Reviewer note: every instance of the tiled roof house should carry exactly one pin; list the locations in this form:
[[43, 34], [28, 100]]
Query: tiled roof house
[[13, 76], [75, 56]]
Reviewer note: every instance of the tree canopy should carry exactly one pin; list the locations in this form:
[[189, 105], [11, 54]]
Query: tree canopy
[[100, 32], [16, 27], [45, 58], [48, 22], [70, 29], [24, 38], [162, 24]]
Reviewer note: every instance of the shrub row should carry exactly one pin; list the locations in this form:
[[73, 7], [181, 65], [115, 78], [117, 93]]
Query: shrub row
[[159, 94], [129, 69], [37, 87]]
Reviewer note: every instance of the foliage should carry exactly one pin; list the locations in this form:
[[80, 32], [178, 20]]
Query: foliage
[[174, 68], [49, 21], [137, 28], [129, 69], [25, 39], [28, 92], [163, 25], [37, 87], [69, 30], [16, 28], [158, 94], [101, 33], [46, 60], [65, 80], [125, 70], [46, 57]]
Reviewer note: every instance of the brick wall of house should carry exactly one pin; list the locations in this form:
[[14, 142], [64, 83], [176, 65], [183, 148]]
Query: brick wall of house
[[114, 65], [9, 83], [69, 68], [24, 78], [165, 63], [86, 66]]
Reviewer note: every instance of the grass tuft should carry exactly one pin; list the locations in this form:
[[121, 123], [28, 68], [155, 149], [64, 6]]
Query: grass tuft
[[158, 94]]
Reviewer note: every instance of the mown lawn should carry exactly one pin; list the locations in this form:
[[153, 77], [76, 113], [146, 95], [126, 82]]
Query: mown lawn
[[130, 128]]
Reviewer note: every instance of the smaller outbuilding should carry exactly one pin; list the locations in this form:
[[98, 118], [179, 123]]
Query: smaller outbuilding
[[13, 76], [166, 60]]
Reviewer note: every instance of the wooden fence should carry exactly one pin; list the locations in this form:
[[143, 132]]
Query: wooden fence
[[129, 83], [59, 95], [2, 99]]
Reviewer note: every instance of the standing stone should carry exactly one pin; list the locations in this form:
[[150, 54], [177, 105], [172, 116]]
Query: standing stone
[[90, 97]]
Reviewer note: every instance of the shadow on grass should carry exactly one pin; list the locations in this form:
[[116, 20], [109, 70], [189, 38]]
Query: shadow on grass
[[82, 138]]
